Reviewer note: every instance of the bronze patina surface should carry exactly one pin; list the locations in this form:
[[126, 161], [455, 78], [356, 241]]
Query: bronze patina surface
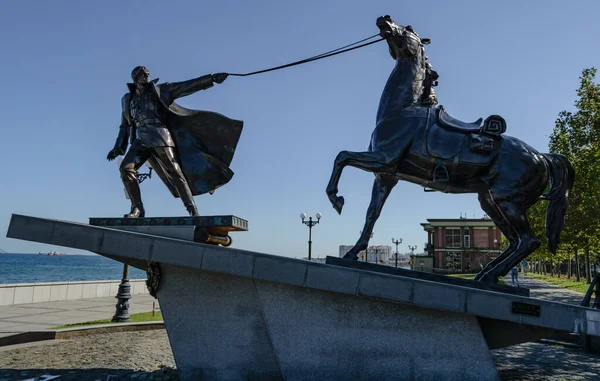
[[416, 140]]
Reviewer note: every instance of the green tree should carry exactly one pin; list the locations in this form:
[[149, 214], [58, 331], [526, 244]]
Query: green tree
[[577, 136]]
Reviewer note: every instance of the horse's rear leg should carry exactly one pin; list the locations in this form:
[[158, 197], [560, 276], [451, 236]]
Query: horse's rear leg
[[382, 186], [367, 161], [488, 206], [516, 215]]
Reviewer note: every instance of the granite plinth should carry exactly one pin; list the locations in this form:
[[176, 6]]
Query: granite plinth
[[426, 276], [240, 329], [313, 319]]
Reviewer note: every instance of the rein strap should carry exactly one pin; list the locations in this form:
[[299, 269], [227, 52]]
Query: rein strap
[[314, 58]]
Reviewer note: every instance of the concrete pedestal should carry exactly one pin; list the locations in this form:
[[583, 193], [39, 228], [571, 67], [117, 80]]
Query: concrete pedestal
[[237, 315], [225, 327]]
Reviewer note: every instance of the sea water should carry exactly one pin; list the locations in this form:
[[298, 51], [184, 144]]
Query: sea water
[[35, 268]]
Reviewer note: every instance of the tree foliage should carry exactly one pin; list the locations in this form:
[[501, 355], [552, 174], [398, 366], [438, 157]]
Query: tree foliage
[[577, 136]]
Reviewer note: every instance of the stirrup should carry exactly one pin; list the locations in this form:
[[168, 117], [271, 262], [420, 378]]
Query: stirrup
[[445, 172]]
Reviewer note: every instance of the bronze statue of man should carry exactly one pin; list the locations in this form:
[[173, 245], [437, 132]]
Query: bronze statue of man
[[190, 150]]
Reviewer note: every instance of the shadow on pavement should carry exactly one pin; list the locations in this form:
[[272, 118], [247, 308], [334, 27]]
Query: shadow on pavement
[[94, 374], [535, 361]]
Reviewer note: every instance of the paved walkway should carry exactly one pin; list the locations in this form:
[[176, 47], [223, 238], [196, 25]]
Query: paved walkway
[[40, 316], [537, 361], [546, 291]]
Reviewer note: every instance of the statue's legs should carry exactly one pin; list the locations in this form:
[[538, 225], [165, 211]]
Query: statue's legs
[[517, 182], [168, 161], [382, 187], [367, 161], [390, 141], [134, 159], [492, 210], [516, 215]]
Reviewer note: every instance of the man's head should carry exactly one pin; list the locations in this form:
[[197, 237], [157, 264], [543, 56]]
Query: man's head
[[140, 75]]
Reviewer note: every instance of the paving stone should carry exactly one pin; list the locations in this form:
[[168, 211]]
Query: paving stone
[[536, 361], [97, 357]]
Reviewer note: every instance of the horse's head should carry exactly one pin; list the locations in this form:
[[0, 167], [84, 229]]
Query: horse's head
[[403, 41]]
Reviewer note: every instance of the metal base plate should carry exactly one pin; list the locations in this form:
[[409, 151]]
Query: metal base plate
[[225, 223], [207, 229]]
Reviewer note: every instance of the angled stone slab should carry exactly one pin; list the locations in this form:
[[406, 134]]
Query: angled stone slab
[[315, 320], [438, 278], [477, 302]]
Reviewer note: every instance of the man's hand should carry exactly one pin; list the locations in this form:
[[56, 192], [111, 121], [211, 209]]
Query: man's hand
[[219, 77], [112, 155]]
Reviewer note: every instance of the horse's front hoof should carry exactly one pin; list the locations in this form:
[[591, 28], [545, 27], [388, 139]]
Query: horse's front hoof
[[338, 204], [483, 271], [349, 255], [488, 278]]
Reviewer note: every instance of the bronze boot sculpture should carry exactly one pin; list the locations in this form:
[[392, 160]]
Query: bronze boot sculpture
[[190, 150], [133, 191]]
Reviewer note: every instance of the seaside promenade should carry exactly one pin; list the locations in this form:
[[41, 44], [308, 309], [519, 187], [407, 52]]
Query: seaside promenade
[[18, 318]]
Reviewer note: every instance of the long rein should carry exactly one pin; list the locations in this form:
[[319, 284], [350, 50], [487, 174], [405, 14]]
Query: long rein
[[330, 53]]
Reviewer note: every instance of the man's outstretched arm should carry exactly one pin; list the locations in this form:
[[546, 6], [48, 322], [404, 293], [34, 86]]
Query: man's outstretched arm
[[174, 90]]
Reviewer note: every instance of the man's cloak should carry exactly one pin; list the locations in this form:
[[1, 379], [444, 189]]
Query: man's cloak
[[205, 144]]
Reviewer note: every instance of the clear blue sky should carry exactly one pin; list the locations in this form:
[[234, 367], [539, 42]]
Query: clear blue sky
[[65, 65]]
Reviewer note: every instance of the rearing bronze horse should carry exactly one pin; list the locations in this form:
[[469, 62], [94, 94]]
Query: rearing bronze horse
[[416, 141]]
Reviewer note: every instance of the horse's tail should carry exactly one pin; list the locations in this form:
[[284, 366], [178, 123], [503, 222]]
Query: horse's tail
[[562, 176]]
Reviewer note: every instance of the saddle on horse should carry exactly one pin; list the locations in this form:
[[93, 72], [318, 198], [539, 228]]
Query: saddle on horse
[[452, 141], [494, 125]]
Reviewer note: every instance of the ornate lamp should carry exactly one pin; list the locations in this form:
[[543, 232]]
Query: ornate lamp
[[310, 223]]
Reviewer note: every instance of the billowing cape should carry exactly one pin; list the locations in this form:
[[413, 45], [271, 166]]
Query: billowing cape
[[205, 143]]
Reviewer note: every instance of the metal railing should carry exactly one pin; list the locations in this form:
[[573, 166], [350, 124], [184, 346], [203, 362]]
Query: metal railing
[[593, 290]]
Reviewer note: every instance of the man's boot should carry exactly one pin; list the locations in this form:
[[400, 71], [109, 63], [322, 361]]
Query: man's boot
[[192, 210], [137, 207], [188, 200], [137, 211]]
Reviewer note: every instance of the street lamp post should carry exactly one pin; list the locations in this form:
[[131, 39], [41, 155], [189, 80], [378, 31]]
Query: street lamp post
[[310, 223], [123, 296], [124, 292], [397, 242]]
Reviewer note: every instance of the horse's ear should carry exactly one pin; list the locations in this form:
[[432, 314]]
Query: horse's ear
[[426, 41]]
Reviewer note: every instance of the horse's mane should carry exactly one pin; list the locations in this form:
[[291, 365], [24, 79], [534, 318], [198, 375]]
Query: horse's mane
[[431, 76], [429, 82]]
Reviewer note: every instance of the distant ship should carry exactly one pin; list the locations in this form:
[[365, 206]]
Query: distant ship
[[53, 253]]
